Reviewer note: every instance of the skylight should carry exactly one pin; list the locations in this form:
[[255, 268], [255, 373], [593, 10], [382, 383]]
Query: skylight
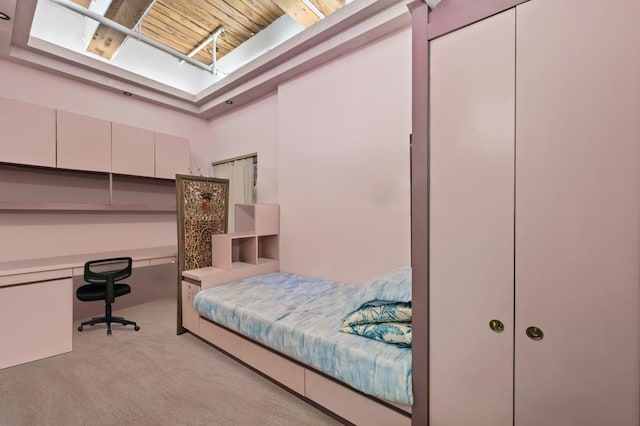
[[65, 33]]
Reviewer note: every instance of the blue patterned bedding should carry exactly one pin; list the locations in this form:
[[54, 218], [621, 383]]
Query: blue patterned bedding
[[300, 317]]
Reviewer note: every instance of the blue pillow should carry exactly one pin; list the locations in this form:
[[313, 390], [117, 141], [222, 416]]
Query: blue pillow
[[391, 287], [396, 333], [394, 312]]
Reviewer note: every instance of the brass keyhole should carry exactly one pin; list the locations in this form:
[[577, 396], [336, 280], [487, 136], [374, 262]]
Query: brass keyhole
[[496, 325], [534, 333]]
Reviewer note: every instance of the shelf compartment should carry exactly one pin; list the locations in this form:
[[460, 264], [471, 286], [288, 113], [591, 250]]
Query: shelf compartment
[[260, 219], [268, 247], [243, 249], [228, 250]]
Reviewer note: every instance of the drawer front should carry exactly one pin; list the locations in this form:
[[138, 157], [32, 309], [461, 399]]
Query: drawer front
[[270, 363], [350, 405]]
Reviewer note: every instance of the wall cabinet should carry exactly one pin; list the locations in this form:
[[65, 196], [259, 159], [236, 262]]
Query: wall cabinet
[[172, 156], [132, 150], [29, 133], [83, 143], [41, 136], [535, 200]]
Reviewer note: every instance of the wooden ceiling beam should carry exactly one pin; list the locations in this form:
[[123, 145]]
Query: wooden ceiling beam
[[200, 24], [208, 17], [184, 25], [248, 10], [269, 10], [273, 6], [182, 36], [227, 8], [83, 3], [327, 7], [106, 41], [298, 11]]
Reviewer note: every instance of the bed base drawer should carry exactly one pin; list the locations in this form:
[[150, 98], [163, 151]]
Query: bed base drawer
[[273, 365], [356, 408], [338, 398]]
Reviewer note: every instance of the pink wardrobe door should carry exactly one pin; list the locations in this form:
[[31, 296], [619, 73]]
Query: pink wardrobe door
[[578, 213], [471, 224]]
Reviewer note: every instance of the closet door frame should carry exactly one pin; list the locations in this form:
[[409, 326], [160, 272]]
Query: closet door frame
[[426, 29], [427, 25], [471, 256]]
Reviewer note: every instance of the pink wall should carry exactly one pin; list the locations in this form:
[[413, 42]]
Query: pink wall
[[343, 151], [341, 145], [31, 235], [248, 130], [332, 151]]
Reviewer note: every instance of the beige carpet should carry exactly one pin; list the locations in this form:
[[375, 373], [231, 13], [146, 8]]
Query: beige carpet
[[150, 377]]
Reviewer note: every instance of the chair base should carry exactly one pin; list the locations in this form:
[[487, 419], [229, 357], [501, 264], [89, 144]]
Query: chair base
[[100, 320], [108, 319]]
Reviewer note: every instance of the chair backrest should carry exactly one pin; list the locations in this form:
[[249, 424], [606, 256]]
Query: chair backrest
[[102, 270]]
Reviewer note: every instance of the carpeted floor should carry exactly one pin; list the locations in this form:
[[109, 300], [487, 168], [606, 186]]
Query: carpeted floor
[[150, 377]]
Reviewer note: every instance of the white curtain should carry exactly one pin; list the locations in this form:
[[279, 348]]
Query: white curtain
[[240, 175]]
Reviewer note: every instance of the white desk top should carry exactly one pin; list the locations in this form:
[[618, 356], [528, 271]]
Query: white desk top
[[18, 271]]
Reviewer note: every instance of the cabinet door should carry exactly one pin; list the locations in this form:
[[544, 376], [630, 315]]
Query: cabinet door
[[471, 224], [172, 156], [578, 213], [35, 321], [132, 150], [190, 317], [29, 134], [84, 143]]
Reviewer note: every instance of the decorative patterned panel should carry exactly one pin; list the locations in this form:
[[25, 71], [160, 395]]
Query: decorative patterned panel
[[202, 211]]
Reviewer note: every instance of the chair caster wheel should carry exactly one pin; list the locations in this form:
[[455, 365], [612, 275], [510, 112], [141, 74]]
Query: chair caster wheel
[[91, 325], [108, 332], [80, 328], [136, 328]]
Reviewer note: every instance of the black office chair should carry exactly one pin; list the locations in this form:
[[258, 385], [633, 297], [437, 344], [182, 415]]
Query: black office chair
[[101, 276]]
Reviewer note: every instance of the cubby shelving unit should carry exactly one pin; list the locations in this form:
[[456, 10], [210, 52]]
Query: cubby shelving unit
[[252, 250], [254, 243]]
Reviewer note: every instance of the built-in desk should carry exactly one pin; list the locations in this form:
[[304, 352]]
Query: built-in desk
[[36, 301]]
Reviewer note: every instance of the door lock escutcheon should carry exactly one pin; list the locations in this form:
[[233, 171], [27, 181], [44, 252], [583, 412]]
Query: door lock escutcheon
[[496, 325], [534, 333]]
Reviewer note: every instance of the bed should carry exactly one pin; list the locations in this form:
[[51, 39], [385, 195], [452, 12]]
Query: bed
[[301, 317]]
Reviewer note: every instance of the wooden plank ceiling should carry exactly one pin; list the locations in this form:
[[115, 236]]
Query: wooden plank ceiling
[[185, 24]]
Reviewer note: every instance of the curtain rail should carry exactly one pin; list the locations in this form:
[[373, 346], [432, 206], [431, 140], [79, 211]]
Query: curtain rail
[[229, 160]]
